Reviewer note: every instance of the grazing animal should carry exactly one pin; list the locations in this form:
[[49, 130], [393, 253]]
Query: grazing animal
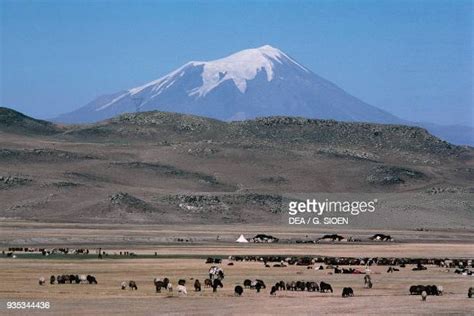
[[165, 284], [159, 285], [424, 295], [133, 285], [429, 289], [325, 287], [216, 273], [257, 283], [91, 279], [52, 279], [470, 292], [312, 287], [440, 289], [416, 289], [247, 283], [123, 285], [61, 279], [82, 278], [368, 282], [41, 281], [347, 291], [367, 278], [214, 260], [273, 290], [238, 290], [182, 290], [419, 267], [281, 286], [207, 283], [300, 286], [66, 278], [432, 290], [197, 286], [72, 278], [291, 286], [182, 282], [215, 284]]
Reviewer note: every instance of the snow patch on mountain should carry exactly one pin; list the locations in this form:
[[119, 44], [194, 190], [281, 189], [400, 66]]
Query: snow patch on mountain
[[241, 67], [158, 84], [112, 102]]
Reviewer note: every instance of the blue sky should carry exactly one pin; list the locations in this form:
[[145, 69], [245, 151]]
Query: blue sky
[[412, 58]]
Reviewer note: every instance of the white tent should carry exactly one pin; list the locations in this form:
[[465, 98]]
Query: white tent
[[242, 239]]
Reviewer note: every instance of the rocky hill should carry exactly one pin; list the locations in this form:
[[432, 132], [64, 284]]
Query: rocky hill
[[272, 130], [12, 121], [157, 167]]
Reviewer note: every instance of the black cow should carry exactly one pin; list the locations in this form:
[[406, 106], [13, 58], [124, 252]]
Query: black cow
[[66, 278], [159, 285], [60, 279], [347, 291], [312, 287], [429, 289], [280, 286], [91, 279], [416, 289], [238, 290], [213, 260], [291, 286], [215, 284], [72, 278], [262, 284], [133, 285], [300, 286], [325, 287], [432, 290], [166, 282], [274, 290]]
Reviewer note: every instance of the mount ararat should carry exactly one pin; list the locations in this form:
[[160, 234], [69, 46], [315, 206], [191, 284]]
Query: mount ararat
[[251, 83]]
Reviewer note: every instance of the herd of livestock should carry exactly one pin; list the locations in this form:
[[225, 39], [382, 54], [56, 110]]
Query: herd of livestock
[[216, 275]]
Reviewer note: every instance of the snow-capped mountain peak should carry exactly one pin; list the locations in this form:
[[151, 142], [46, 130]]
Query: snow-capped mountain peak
[[253, 82], [240, 67]]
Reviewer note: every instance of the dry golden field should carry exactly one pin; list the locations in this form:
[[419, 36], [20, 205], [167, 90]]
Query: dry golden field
[[389, 296]]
